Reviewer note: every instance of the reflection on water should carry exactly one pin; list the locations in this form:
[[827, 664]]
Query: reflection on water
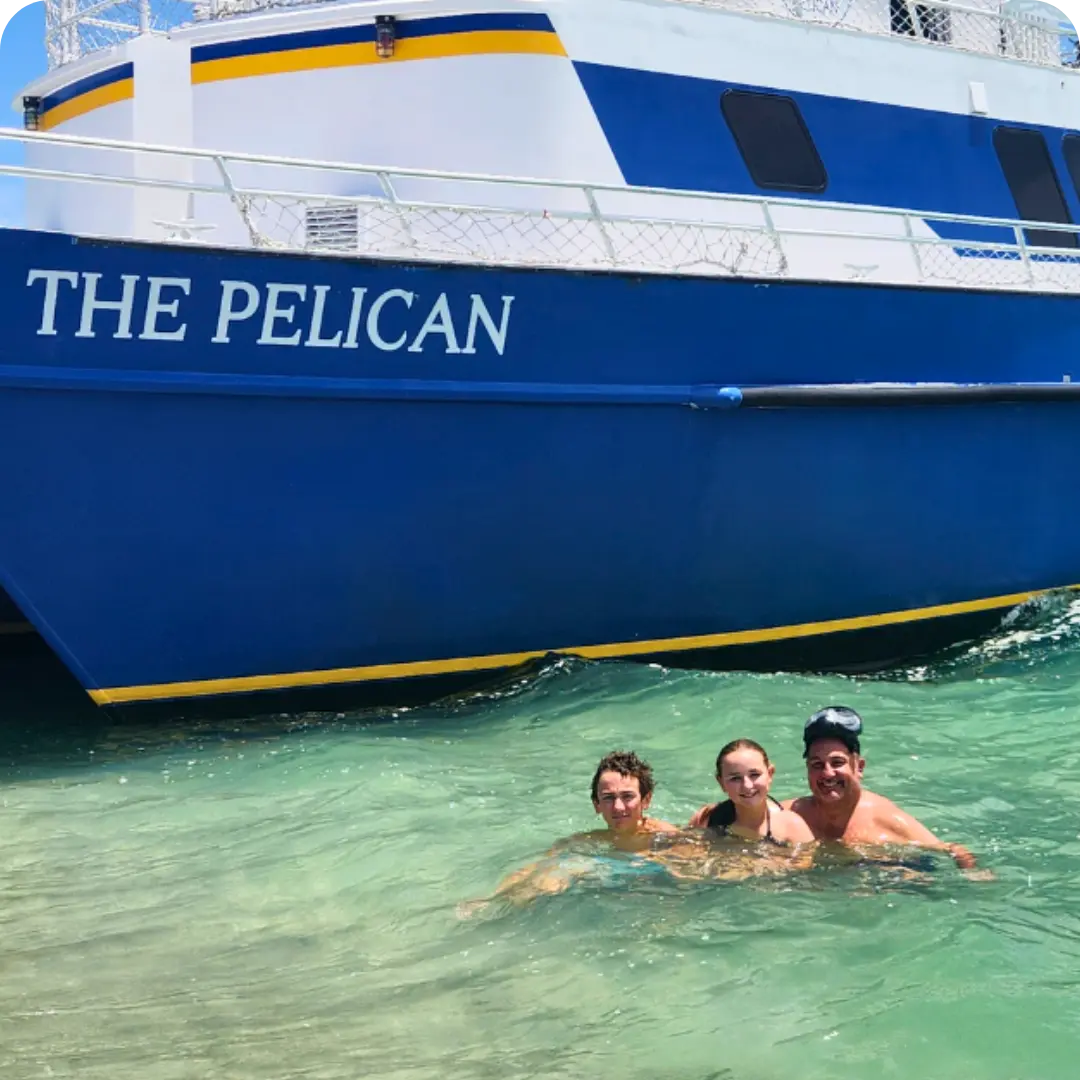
[[281, 897]]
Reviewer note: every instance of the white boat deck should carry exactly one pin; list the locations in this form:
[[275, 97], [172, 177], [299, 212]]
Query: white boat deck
[[257, 201]]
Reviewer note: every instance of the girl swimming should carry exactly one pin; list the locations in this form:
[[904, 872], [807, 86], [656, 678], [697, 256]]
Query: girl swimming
[[745, 773]]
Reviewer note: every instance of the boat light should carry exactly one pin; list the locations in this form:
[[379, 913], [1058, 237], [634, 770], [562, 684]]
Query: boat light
[[385, 35], [31, 113]]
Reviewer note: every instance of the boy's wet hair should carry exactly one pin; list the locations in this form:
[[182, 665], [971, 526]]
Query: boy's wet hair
[[739, 744], [625, 763]]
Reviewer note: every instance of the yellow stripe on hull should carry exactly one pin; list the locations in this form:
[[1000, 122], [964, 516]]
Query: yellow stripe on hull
[[433, 47], [121, 90], [621, 650]]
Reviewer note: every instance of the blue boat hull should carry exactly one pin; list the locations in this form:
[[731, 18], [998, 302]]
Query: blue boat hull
[[187, 516]]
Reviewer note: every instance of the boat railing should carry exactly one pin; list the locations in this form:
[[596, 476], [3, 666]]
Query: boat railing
[[342, 209], [76, 28], [990, 27]]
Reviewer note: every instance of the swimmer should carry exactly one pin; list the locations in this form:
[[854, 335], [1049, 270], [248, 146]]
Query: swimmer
[[745, 773], [838, 807], [622, 790]]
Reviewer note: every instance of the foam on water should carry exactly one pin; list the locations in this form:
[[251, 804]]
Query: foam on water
[[282, 897]]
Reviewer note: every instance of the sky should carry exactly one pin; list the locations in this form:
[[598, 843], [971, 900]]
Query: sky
[[22, 58]]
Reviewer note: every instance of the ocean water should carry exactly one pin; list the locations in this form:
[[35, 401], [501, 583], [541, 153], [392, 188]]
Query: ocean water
[[283, 897]]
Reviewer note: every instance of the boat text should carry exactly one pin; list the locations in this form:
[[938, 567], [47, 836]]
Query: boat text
[[280, 313]]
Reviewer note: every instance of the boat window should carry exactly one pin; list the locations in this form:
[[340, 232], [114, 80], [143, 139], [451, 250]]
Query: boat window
[[1070, 147], [774, 142], [1029, 172], [928, 21]]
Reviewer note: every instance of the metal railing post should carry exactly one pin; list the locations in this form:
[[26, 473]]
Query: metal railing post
[[909, 232], [1025, 255], [770, 229], [240, 201], [594, 210], [391, 195]]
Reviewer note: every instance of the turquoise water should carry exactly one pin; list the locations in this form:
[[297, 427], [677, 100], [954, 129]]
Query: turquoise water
[[280, 897]]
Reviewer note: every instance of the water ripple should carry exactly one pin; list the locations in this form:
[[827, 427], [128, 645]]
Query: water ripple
[[281, 897]]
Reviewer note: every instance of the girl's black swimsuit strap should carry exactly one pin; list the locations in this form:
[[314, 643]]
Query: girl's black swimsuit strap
[[723, 815]]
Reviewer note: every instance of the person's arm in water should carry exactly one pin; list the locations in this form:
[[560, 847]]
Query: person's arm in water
[[909, 830], [700, 817], [544, 877], [536, 879]]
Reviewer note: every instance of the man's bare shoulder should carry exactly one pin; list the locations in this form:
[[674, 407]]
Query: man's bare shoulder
[[876, 803], [802, 805], [894, 821]]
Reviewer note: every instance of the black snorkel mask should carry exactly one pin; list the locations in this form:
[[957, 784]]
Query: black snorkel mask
[[835, 722]]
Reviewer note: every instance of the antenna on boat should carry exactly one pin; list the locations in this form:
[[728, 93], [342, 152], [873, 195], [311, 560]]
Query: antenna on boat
[[74, 28]]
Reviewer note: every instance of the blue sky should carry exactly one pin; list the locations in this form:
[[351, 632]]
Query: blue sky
[[22, 58]]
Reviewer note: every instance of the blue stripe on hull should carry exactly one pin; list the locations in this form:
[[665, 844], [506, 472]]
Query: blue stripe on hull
[[85, 86], [348, 35], [161, 537]]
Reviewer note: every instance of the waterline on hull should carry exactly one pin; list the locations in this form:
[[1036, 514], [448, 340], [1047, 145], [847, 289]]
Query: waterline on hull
[[496, 661]]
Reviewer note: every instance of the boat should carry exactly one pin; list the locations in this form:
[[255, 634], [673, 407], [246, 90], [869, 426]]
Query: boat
[[389, 346]]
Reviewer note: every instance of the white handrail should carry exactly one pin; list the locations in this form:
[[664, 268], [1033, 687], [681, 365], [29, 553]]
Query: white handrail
[[644, 229], [523, 182]]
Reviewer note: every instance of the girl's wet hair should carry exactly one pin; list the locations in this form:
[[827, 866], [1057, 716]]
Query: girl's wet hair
[[739, 744]]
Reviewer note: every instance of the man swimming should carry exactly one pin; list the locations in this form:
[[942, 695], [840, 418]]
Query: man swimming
[[838, 807]]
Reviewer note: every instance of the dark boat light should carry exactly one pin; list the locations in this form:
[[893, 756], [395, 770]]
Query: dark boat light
[[385, 35], [31, 113]]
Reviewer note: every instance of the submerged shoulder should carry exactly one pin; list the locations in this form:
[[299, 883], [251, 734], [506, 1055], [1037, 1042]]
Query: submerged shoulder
[[792, 828], [656, 825], [575, 840]]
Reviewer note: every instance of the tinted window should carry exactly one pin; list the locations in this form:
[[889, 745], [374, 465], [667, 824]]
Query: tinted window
[[925, 20], [773, 140], [1070, 147], [1029, 172], [900, 17]]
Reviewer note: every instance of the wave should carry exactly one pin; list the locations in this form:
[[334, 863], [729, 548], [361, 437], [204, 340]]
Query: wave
[[1042, 633]]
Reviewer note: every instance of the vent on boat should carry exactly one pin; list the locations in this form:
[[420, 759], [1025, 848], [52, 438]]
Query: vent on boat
[[331, 227]]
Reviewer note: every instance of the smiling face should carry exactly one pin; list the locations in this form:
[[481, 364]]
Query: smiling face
[[746, 776], [833, 772], [619, 801]]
